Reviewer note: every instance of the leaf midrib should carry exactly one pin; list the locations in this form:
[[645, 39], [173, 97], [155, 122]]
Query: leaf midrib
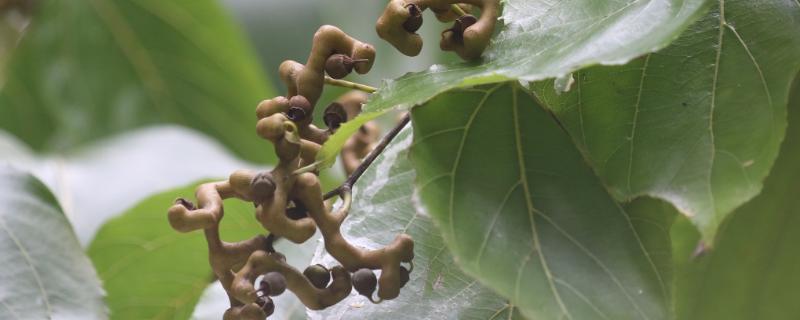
[[531, 210]]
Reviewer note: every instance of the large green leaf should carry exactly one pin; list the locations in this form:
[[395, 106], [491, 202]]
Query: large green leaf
[[699, 123], [438, 289], [88, 69], [523, 213], [45, 273], [753, 272], [540, 40], [151, 271]]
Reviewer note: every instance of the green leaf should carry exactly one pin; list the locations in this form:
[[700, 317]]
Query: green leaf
[[697, 124], [523, 213], [540, 40], [753, 270], [89, 69], [438, 289], [151, 271], [99, 181], [45, 273]]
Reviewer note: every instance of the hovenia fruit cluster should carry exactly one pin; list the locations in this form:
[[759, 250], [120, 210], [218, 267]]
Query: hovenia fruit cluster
[[288, 200]]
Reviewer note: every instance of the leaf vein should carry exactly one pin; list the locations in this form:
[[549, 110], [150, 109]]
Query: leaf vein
[[29, 261], [581, 296], [531, 209], [457, 161], [636, 120], [502, 205]]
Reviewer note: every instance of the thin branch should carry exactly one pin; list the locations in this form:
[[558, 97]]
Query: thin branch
[[353, 178], [457, 9], [347, 185]]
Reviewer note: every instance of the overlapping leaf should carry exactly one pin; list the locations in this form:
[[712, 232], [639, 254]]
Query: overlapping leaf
[[523, 213], [699, 123], [89, 69], [45, 273], [438, 289], [752, 272], [541, 39]]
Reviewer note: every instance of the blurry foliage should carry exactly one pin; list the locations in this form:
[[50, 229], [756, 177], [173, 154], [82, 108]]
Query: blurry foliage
[[89, 69]]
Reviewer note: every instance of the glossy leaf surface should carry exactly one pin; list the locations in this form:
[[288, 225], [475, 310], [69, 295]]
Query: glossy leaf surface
[[697, 124], [540, 40], [523, 213], [384, 207]]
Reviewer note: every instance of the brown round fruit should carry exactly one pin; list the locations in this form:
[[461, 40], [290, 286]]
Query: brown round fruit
[[404, 276], [273, 284], [299, 109], [338, 66], [365, 282], [334, 116], [318, 275]]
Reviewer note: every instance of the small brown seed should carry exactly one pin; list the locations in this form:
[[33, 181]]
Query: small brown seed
[[318, 275], [365, 282], [414, 21]]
